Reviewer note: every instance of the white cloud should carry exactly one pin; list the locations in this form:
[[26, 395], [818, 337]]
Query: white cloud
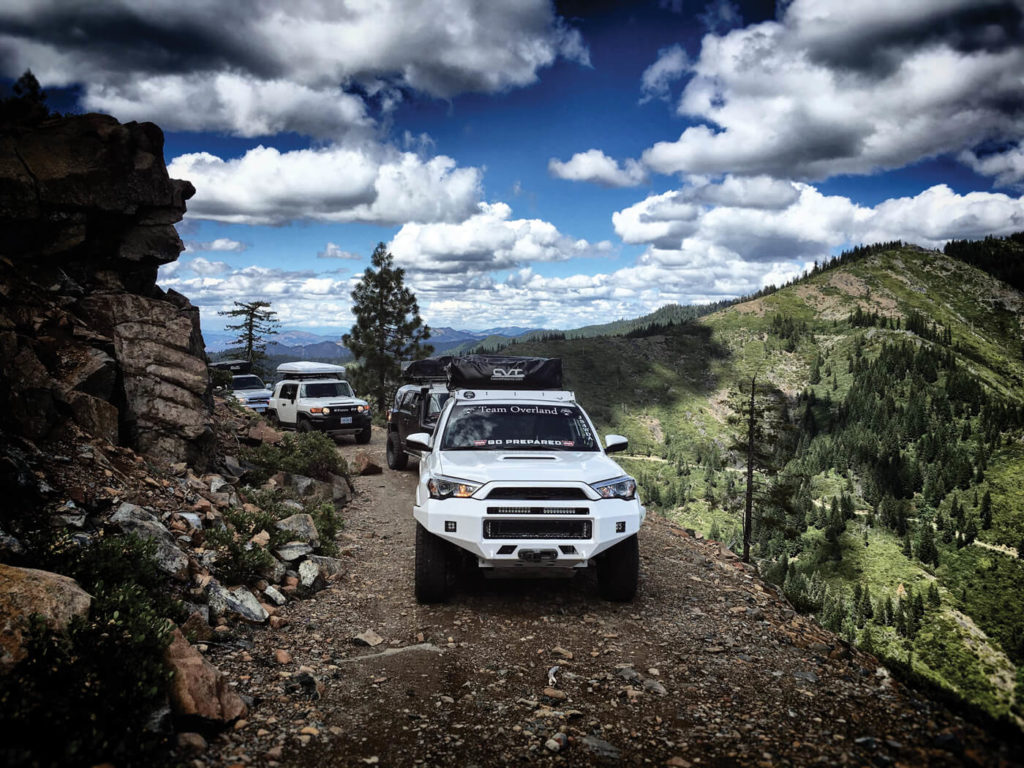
[[671, 64], [839, 87], [488, 240], [229, 101], [333, 251], [595, 166], [721, 15], [225, 244], [695, 227], [374, 184], [1007, 166], [265, 67], [205, 268]]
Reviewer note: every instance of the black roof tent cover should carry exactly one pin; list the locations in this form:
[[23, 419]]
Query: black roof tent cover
[[426, 370], [504, 372]]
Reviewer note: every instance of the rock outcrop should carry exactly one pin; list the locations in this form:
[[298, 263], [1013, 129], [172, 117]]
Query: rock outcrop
[[86, 218]]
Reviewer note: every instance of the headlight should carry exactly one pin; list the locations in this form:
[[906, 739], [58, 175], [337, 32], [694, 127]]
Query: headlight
[[618, 488], [362, 408], [319, 410], [450, 488]]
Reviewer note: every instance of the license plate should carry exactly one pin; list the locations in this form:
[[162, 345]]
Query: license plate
[[346, 419]]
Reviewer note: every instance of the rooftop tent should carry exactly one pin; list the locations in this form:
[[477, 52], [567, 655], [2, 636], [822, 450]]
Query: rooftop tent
[[306, 370], [504, 372], [235, 366], [426, 370]]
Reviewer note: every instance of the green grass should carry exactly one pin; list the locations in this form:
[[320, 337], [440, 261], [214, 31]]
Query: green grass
[[989, 587]]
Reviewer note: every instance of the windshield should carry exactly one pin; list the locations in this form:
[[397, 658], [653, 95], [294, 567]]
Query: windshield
[[327, 389], [247, 382], [517, 427]]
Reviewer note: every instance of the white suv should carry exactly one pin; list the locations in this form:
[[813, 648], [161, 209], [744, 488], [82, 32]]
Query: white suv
[[315, 397], [519, 480]]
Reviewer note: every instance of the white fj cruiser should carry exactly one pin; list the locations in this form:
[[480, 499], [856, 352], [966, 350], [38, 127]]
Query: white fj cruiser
[[518, 480], [315, 396]]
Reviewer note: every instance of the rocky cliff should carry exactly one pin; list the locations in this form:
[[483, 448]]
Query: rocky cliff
[[87, 214]]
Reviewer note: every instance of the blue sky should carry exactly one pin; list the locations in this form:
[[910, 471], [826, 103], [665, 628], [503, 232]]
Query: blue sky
[[547, 164]]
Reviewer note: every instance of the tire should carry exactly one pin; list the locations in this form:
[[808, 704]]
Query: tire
[[304, 426], [397, 458], [434, 567], [364, 437], [618, 571]]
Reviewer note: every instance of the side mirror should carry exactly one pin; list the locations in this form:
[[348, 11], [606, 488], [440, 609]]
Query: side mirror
[[615, 443], [419, 441]]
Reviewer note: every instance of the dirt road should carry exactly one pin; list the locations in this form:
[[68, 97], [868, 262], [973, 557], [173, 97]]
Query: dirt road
[[706, 667]]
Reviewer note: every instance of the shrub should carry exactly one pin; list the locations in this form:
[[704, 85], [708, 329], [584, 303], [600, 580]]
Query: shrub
[[84, 696], [312, 454]]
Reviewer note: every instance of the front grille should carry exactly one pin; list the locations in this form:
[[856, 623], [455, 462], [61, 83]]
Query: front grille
[[537, 529], [537, 510], [538, 494]]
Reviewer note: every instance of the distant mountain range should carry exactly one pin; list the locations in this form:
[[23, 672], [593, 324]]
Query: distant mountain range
[[306, 345]]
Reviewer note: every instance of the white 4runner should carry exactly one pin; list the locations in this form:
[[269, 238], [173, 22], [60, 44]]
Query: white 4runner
[[315, 396], [518, 479]]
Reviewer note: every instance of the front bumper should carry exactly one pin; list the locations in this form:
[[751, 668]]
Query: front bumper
[[341, 423], [511, 533]]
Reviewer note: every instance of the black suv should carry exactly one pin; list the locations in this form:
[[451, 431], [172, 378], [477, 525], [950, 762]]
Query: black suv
[[416, 409]]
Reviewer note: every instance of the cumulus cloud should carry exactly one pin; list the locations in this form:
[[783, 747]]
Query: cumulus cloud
[[225, 244], [671, 64], [721, 16], [1007, 166], [716, 223], [286, 67], [595, 166], [837, 87], [233, 102], [489, 240], [332, 251], [373, 184]]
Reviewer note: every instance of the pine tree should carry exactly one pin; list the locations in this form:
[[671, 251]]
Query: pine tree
[[927, 552], [907, 551], [934, 600], [986, 510], [388, 327], [256, 323]]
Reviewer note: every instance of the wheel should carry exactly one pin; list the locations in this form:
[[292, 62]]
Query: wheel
[[618, 571], [364, 437], [433, 566], [304, 426], [397, 458]]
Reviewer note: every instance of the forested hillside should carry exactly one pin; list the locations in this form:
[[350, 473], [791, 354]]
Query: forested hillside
[[889, 412]]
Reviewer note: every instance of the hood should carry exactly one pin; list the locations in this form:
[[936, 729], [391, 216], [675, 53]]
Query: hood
[[252, 394], [540, 466]]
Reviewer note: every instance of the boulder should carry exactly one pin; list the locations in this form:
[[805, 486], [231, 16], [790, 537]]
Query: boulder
[[169, 557], [330, 567], [26, 591], [311, 579], [301, 528], [362, 464], [306, 487], [293, 550], [240, 603], [198, 689]]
